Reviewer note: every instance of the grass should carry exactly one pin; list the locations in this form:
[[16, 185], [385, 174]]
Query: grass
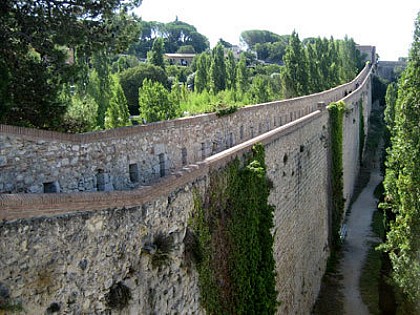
[[370, 278], [369, 282]]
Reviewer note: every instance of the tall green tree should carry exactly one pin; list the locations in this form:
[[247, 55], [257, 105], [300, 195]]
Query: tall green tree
[[218, 69], [230, 71], [132, 79], [155, 56], [202, 74], [154, 102], [295, 74], [242, 75], [402, 180], [55, 32], [117, 114]]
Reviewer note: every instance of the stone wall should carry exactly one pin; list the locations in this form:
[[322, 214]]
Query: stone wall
[[37, 161], [73, 261], [83, 252]]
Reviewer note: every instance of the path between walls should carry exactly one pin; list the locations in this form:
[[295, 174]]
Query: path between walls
[[356, 244]]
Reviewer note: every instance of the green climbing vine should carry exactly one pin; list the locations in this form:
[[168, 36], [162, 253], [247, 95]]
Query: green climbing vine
[[336, 124], [234, 254], [361, 130]]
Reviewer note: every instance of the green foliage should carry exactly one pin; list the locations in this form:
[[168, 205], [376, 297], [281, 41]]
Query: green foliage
[[361, 130], [155, 103], [31, 87], [295, 73], [217, 74], [81, 115], [336, 111], [233, 228], [155, 56], [402, 180], [132, 79], [162, 247], [202, 76], [253, 37], [242, 75], [117, 114]]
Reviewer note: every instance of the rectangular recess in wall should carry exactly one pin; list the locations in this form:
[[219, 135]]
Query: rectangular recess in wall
[[133, 170], [162, 164], [184, 156], [51, 187]]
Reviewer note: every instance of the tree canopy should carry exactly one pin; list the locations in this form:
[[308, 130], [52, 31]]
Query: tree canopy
[[41, 43]]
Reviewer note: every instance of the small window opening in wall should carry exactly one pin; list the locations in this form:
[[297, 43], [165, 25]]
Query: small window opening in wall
[[285, 158], [203, 150], [302, 148], [291, 116], [260, 128], [230, 140], [162, 164], [252, 132], [100, 180], [241, 132], [133, 169], [51, 187], [184, 156], [274, 122]]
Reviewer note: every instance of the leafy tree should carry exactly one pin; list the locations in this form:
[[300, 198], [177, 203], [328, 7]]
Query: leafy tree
[[54, 31], [402, 180], [154, 102], [155, 56], [124, 62], [350, 59], [260, 89], [218, 69], [177, 34], [132, 79], [117, 114], [100, 85], [186, 49], [81, 115], [230, 71], [295, 74], [242, 75], [253, 37], [201, 78], [314, 83]]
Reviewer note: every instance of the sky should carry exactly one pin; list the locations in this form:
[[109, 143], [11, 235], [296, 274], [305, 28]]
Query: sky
[[386, 24]]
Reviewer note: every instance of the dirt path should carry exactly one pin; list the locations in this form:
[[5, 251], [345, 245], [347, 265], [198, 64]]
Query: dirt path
[[355, 245]]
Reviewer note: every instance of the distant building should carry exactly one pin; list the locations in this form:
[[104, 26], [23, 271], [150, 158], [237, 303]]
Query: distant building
[[369, 51], [179, 59]]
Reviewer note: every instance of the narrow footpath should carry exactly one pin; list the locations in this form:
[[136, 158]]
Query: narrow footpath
[[356, 243]]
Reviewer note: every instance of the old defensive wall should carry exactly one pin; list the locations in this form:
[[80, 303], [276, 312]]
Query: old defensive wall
[[77, 211]]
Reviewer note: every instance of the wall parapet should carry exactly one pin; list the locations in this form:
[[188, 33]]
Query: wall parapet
[[19, 206], [39, 161]]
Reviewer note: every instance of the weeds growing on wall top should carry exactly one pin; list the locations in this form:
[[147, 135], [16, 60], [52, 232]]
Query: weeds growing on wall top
[[233, 227]]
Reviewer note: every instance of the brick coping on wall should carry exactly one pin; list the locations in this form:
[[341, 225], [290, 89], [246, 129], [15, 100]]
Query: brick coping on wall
[[20, 206]]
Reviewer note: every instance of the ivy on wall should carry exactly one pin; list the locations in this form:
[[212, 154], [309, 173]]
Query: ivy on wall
[[336, 111], [234, 243], [361, 131]]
